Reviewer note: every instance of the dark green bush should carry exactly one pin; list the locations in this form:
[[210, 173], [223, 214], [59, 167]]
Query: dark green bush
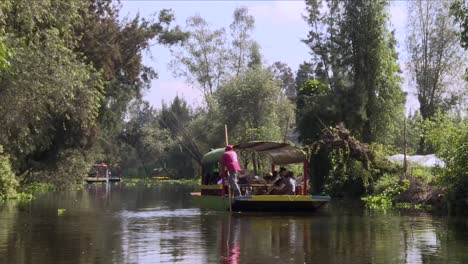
[[8, 182]]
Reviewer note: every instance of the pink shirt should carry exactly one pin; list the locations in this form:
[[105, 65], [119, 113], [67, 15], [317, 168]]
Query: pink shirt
[[229, 160]]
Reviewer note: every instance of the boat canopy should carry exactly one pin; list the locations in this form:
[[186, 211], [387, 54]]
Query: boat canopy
[[213, 156], [280, 153]]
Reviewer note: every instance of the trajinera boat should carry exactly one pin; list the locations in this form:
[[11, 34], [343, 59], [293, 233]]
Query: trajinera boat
[[214, 193]]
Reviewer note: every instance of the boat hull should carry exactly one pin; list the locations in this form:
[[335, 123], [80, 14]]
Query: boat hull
[[110, 179], [262, 203]]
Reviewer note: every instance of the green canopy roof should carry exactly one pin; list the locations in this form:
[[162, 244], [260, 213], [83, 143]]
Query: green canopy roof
[[280, 153], [213, 156]]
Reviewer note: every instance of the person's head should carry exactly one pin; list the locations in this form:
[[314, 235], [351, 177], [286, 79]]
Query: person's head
[[275, 174], [229, 148], [283, 171], [290, 174]]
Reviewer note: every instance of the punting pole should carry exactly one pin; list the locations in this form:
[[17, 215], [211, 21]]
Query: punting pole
[[229, 183], [306, 169]]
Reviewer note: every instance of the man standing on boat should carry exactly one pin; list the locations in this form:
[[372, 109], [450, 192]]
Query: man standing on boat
[[229, 162]]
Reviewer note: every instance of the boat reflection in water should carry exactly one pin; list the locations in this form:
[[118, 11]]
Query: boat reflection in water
[[260, 239], [350, 238]]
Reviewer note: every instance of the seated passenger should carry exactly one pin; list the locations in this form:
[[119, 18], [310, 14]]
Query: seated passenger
[[291, 183], [287, 185]]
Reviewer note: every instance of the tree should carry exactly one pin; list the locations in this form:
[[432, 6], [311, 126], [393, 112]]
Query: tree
[[459, 10], [202, 59], [315, 110], [241, 27], [206, 60], [249, 105], [283, 73], [304, 73], [253, 108], [255, 57], [450, 140], [185, 151], [74, 67], [115, 48], [3, 48], [49, 99], [176, 119], [434, 57], [354, 53]]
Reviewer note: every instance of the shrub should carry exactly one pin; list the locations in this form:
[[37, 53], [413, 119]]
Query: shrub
[[450, 140], [390, 189], [8, 182]]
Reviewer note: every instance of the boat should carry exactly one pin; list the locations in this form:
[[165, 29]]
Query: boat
[[215, 195], [100, 173]]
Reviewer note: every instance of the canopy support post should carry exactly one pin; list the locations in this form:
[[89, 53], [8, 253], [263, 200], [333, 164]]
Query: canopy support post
[[223, 183], [203, 180], [272, 167], [306, 169]]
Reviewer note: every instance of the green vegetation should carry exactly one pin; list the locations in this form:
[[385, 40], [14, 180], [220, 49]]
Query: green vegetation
[[149, 182], [386, 189], [61, 211], [353, 55], [450, 139], [8, 182]]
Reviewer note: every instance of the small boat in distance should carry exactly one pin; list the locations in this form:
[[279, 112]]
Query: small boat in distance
[[214, 193], [100, 173]]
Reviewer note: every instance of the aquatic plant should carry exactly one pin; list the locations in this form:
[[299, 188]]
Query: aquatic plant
[[386, 198], [61, 211]]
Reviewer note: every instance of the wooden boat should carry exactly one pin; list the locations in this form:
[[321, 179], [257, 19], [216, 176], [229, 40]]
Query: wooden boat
[[215, 196], [100, 173]]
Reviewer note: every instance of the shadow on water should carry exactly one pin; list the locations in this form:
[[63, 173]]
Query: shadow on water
[[158, 224]]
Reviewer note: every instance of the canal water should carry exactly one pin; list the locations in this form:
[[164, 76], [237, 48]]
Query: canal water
[[158, 224]]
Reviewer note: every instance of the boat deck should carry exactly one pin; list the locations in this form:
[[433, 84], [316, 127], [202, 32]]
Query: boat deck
[[267, 203], [110, 179]]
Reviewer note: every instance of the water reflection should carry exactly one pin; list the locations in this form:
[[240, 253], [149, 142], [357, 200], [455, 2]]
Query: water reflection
[[118, 224]]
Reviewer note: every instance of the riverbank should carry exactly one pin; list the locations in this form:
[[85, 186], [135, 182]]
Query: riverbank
[[28, 192]]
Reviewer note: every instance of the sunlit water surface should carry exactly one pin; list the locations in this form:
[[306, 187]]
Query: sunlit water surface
[[159, 224]]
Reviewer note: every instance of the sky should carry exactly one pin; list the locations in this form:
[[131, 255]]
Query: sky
[[279, 28]]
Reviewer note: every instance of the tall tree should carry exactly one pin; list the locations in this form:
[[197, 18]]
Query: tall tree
[[255, 57], [354, 53], [49, 98], [283, 73], [434, 57], [115, 47], [3, 49], [249, 106], [304, 73], [241, 27], [75, 66], [176, 119], [459, 10], [202, 59], [146, 142]]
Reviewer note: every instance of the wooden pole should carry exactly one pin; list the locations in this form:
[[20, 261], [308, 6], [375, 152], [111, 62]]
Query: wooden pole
[[229, 182], [405, 162], [306, 170], [226, 134]]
